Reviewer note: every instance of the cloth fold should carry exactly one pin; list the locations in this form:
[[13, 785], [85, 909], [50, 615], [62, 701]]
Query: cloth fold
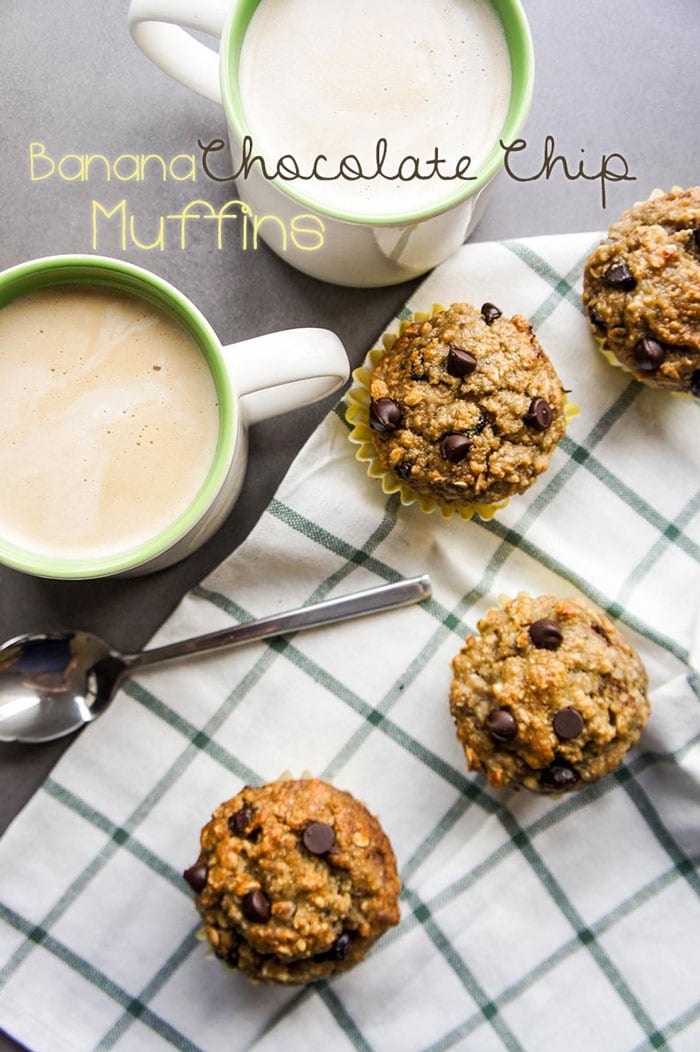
[[527, 923]]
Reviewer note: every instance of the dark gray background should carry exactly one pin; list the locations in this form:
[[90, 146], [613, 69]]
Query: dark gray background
[[620, 77]]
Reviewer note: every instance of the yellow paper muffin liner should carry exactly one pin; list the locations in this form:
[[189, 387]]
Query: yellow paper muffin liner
[[600, 341], [357, 415]]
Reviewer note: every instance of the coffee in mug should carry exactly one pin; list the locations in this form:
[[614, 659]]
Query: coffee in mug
[[442, 82], [331, 78], [123, 418], [108, 421]]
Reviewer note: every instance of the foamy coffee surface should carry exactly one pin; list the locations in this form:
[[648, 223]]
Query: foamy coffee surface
[[108, 421], [332, 77]]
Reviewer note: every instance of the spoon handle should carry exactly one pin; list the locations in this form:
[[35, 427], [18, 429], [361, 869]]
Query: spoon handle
[[343, 608]]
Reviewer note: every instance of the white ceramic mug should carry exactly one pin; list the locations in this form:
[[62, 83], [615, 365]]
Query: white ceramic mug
[[255, 379], [357, 250]]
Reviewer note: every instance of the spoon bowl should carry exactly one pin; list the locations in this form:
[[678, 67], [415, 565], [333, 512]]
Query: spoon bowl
[[51, 684]]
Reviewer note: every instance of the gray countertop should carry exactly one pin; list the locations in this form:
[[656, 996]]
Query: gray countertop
[[620, 78]]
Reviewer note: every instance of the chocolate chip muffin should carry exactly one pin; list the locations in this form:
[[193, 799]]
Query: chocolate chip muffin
[[548, 696], [466, 406], [295, 881], [641, 291]]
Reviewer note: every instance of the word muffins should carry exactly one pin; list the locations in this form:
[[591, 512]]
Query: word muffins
[[466, 407], [641, 291], [548, 696], [294, 882]]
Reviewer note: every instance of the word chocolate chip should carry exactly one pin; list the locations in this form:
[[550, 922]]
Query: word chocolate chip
[[648, 354], [619, 276], [385, 415], [318, 838], [540, 415], [239, 822], [502, 725], [403, 470], [696, 239], [455, 448], [567, 723], [196, 877], [559, 775], [460, 363], [546, 634], [256, 906], [695, 383], [489, 312]]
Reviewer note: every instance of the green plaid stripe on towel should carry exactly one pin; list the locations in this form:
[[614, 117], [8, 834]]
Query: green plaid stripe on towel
[[527, 923]]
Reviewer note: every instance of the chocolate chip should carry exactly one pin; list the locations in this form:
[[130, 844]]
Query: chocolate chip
[[695, 383], [567, 723], [540, 415], [239, 822], [256, 906], [596, 319], [489, 313], [605, 686], [546, 634], [695, 239], [484, 419], [619, 276], [340, 947], [417, 366], [403, 470], [318, 838], [559, 775], [502, 725], [599, 630], [455, 448], [196, 877], [385, 415], [460, 363], [648, 354]]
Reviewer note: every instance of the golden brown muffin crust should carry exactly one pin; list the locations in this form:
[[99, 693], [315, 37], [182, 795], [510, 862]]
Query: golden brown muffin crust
[[548, 696], [643, 284], [462, 386], [300, 880]]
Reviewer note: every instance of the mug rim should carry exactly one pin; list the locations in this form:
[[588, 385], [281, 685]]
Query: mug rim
[[109, 272], [522, 61]]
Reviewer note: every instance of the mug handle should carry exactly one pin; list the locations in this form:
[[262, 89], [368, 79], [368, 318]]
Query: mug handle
[[281, 371], [158, 28]]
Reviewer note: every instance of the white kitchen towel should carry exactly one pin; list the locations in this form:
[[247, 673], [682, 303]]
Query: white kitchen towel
[[527, 923]]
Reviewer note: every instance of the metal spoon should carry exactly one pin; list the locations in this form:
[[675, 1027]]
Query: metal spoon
[[53, 683]]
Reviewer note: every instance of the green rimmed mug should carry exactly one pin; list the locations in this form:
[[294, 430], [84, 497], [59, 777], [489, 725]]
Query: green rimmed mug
[[357, 250], [254, 380]]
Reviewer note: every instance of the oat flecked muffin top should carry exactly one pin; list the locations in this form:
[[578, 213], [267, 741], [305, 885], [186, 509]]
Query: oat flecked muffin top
[[641, 291], [548, 696], [295, 881], [466, 406]]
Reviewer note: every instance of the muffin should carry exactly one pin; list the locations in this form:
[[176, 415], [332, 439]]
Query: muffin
[[548, 696], [465, 406], [294, 882], [641, 291]]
